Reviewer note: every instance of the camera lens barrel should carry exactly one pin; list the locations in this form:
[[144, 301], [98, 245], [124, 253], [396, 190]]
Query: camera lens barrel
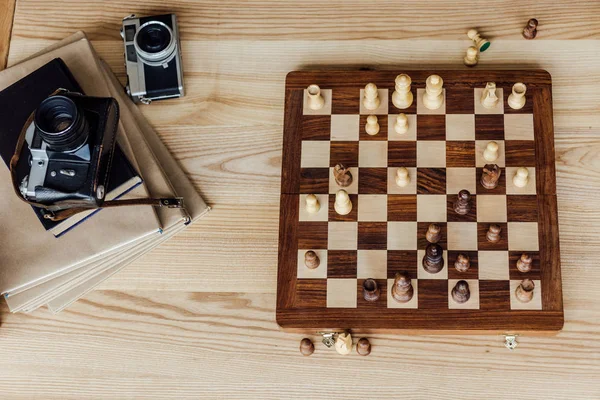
[[154, 43], [61, 124]]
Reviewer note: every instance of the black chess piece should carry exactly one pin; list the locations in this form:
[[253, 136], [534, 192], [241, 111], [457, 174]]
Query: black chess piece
[[433, 261], [462, 205], [530, 30], [461, 292], [402, 291]]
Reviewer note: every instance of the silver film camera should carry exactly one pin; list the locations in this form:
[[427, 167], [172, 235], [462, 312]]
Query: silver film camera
[[152, 57]]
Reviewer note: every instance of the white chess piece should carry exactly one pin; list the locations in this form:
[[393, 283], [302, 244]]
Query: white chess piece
[[481, 43], [401, 125], [312, 204], [433, 96], [343, 343], [521, 177], [491, 152], [402, 177], [472, 57], [516, 100], [402, 97], [489, 98], [371, 99], [342, 204], [315, 99], [372, 125]]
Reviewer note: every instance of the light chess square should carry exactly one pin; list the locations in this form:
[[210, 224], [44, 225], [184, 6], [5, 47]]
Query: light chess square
[[460, 127], [315, 154], [341, 293], [344, 127], [372, 264]]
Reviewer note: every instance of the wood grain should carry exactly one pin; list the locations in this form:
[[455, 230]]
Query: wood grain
[[7, 8], [140, 341]]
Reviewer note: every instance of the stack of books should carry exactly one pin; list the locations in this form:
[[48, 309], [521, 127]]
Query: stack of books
[[54, 263]]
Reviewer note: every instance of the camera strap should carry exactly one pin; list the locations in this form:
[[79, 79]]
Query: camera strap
[[67, 208]]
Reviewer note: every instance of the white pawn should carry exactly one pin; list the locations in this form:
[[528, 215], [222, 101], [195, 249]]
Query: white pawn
[[402, 177], [491, 152], [516, 100], [372, 125], [371, 97], [472, 57], [481, 43], [315, 99], [342, 205], [521, 178], [401, 125], [433, 96], [489, 98], [402, 96], [312, 204]]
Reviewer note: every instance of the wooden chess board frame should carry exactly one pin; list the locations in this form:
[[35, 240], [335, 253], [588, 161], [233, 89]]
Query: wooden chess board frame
[[302, 303]]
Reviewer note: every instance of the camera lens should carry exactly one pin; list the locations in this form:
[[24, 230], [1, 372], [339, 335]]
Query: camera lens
[[61, 124], [154, 42], [153, 38]]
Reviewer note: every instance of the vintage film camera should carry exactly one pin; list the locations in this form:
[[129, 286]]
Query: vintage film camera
[[71, 141], [152, 57]]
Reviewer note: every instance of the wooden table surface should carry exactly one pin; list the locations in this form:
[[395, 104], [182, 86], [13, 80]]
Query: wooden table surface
[[196, 317]]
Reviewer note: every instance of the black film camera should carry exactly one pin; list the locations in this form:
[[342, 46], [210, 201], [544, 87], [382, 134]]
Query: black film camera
[[71, 141]]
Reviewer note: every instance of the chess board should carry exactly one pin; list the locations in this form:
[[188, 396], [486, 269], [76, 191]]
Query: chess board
[[385, 231]]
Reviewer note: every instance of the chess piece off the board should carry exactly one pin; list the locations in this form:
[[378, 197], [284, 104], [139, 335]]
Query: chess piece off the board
[[461, 292], [462, 263], [433, 98], [363, 347], [371, 290], [433, 260], [491, 152], [524, 263], [401, 125], [530, 30], [472, 57], [372, 125], [521, 178], [489, 97], [315, 99], [342, 175], [490, 176], [311, 260], [343, 343], [434, 233], [371, 99], [312, 204], [481, 43], [402, 97], [524, 292], [343, 204], [516, 99], [306, 347], [402, 291], [462, 205], [402, 177], [493, 233]]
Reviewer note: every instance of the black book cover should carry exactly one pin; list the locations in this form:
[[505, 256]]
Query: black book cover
[[20, 99]]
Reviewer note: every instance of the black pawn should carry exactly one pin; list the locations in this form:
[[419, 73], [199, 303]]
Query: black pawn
[[462, 205], [461, 292], [433, 261]]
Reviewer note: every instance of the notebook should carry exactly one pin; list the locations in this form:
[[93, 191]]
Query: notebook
[[160, 172], [28, 93]]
